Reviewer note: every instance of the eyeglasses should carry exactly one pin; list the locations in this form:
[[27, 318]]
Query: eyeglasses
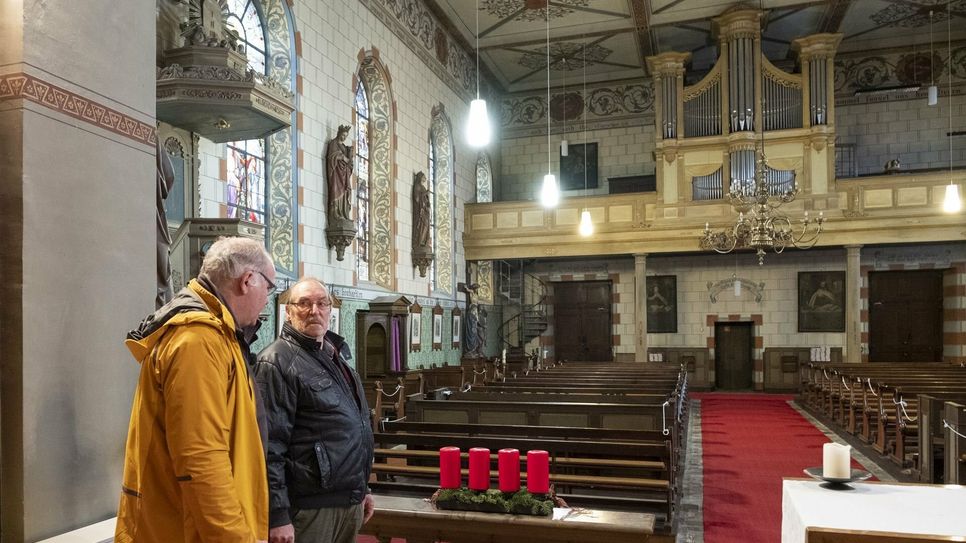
[[309, 305], [271, 285]]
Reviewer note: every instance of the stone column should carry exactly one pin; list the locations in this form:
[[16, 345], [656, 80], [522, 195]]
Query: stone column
[[77, 137], [853, 305], [640, 308]]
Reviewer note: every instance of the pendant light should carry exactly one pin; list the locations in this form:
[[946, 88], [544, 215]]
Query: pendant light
[[933, 97], [952, 202], [564, 144], [734, 278], [586, 228], [549, 193], [478, 124]]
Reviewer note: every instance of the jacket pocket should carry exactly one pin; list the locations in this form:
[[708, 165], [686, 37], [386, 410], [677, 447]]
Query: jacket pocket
[[323, 392], [325, 467]]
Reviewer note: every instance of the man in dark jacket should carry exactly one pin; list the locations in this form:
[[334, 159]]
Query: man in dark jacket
[[319, 438]]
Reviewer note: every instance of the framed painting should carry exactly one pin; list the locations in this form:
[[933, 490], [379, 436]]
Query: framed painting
[[821, 301], [662, 304], [572, 166], [415, 327], [457, 329], [437, 329]]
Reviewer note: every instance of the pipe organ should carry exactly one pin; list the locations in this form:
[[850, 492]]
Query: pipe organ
[[709, 134]]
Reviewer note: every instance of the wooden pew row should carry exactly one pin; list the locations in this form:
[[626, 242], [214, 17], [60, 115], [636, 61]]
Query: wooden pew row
[[880, 402], [954, 445], [652, 493], [933, 438]]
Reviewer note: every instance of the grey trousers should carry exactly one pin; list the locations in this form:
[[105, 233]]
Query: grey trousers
[[333, 525]]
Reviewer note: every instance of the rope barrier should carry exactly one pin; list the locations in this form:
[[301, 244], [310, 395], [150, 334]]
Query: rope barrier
[[664, 429], [845, 385], [868, 381], [394, 392], [902, 406], [479, 372], [466, 387], [951, 429]]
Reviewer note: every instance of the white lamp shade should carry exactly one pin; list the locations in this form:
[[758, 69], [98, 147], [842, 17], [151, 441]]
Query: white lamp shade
[[586, 227], [550, 193], [478, 125], [564, 147], [933, 98], [952, 203]]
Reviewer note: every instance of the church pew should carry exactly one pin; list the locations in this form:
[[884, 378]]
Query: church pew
[[575, 414], [575, 395], [931, 436], [954, 446]]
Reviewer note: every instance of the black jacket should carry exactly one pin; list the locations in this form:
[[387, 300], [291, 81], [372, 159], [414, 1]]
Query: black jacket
[[319, 436]]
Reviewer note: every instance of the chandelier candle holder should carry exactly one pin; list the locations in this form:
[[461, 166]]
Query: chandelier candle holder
[[761, 225]]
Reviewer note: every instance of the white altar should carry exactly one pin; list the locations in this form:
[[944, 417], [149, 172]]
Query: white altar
[[882, 507]]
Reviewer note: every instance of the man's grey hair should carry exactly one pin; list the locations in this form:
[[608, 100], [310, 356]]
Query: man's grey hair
[[304, 280], [229, 258]]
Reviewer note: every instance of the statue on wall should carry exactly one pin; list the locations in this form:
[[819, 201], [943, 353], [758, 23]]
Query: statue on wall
[[338, 170], [165, 180], [422, 246], [475, 322], [341, 229]]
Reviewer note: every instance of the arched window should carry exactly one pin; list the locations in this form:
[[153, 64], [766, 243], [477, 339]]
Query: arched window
[[362, 190], [432, 180], [246, 187]]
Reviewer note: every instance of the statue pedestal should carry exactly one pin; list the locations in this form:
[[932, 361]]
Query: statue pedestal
[[422, 258], [339, 234]]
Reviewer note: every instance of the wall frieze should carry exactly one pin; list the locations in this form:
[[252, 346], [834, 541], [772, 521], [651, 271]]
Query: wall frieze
[[21, 86], [412, 22]]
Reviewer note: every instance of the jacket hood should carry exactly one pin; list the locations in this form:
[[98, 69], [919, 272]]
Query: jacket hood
[[192, 304]]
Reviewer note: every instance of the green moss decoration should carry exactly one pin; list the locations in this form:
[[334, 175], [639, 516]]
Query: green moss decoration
[[494, 501]]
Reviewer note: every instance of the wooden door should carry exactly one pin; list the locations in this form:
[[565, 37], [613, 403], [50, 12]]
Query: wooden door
[[733, 365], [582, 321], [906, 316]]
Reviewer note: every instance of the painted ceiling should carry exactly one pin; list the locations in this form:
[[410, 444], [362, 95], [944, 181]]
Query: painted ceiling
[[608, 39]]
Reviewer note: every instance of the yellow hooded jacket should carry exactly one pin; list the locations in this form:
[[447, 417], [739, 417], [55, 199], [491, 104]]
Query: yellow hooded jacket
[[194, 467]]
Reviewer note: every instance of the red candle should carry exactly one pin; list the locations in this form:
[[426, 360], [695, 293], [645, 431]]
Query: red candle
[[538, 472], [509, 464], [449, 467], [479, 468]]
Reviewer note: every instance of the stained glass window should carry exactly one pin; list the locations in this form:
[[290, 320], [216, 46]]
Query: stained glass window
[[246, 180], [246, 187], [431, 180], [362, 175]]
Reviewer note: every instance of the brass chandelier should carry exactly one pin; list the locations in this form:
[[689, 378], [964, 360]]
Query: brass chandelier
[[761, 225]]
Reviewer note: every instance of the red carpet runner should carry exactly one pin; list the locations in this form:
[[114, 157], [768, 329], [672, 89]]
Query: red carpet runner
[[751, 441]]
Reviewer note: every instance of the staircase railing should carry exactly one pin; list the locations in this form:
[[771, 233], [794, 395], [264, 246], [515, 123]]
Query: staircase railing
[[527, 293]]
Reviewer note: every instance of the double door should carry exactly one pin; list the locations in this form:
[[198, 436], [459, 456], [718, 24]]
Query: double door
[[582, 321]]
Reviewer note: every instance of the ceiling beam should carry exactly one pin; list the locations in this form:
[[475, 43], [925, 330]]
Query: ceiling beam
[[834, 15], [646, 44]]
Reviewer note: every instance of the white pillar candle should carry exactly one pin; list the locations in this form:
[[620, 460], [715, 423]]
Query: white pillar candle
[[836, 461], [504, 357]]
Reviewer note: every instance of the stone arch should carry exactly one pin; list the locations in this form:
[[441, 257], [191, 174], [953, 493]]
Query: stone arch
[[441, 134], [375, 78]]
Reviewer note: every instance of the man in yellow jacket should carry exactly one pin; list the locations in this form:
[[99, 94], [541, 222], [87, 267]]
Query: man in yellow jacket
[[194, 466]]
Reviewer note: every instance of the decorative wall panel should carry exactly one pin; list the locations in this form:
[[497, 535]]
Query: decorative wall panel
[[375, 78], [443, 143]]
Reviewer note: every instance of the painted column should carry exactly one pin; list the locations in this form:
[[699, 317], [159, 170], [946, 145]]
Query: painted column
[[853, 305], [640, 308]]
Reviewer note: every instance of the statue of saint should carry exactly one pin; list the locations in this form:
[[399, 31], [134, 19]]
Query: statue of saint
[[421, 212], [165, 173], [338, 170]]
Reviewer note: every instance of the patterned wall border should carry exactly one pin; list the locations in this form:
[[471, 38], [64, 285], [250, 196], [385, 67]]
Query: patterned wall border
[[604, 107], [412, 22], [21, 86], [443, 143]]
